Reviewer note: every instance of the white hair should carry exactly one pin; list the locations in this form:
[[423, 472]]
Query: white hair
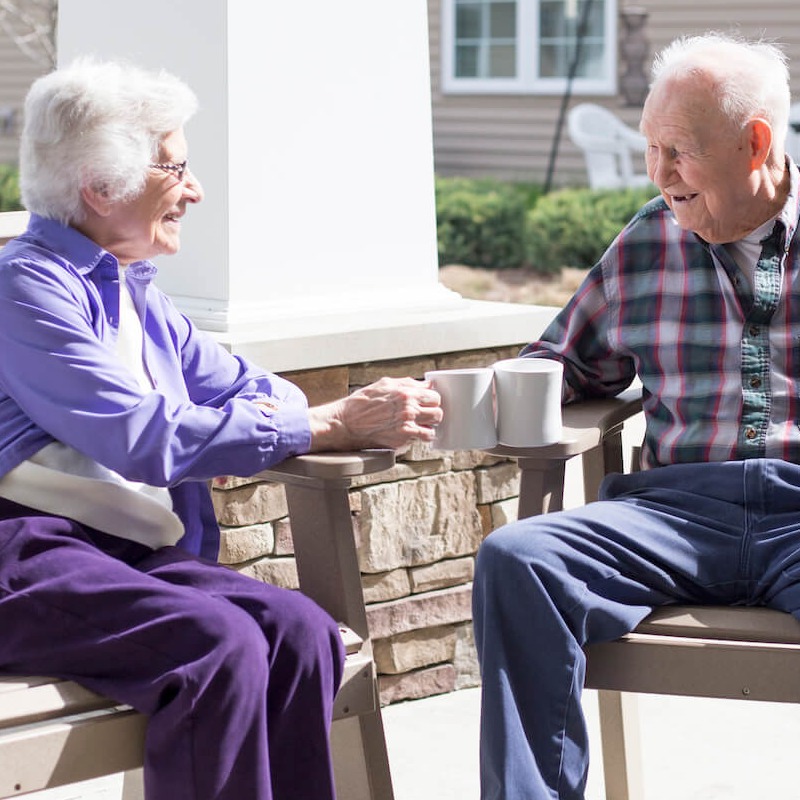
[[98, 124], [751, 78]]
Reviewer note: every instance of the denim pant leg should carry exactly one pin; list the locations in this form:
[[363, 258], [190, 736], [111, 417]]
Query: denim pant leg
[[545, 586]]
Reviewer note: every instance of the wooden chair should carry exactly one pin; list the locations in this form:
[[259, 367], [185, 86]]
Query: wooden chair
[[608, 146], [723, 652], [54, 733]]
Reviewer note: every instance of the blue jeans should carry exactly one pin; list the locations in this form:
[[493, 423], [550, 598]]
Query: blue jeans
[[722, 534]]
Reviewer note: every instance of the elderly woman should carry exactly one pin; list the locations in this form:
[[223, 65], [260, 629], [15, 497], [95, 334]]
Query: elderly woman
[[114, 412]]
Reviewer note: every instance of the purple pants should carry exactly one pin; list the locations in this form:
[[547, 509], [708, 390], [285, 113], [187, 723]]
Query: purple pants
[[238, 677]]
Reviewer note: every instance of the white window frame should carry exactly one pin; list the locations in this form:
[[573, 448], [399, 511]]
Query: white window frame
[[527, 80]]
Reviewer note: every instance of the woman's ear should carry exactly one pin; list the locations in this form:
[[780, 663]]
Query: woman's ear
[[96, 198]]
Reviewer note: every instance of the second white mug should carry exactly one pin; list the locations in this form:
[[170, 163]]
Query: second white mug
[[528, 397]]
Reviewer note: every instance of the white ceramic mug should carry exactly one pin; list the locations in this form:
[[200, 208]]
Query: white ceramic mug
[[528, 392], [467, 406]]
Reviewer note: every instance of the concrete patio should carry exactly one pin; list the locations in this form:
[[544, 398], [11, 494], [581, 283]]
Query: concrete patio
[[693, 749]]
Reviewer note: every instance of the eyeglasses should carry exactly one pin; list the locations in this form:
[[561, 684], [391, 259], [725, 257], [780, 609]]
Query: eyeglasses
[[178, 170]]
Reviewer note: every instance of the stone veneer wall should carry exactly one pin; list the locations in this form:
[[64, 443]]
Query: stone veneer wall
[[418, 528]]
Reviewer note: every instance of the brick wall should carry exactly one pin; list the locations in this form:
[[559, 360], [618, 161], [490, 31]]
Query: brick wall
[[418, 527]]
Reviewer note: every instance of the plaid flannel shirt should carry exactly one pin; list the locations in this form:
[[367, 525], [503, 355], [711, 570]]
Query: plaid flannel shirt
[[718, 356]]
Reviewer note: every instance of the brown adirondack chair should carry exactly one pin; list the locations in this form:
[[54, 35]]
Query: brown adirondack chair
[[701, 651], [54, 733]]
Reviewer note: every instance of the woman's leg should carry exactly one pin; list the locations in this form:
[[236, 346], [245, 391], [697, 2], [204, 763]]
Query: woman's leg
[[199, 664], [305, 657], [548, 585]]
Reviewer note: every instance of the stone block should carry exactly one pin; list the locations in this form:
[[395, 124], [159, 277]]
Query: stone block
[[465, 660], [321, 385], [466, 360], [485, 512], [223, 482], [442, 607], [415, 649], [250, 504], [477, 358], [472, 459], [284, 544], [440, 575], [503, 512], [415, 685], [363, 374], [497, 483], [511, 351], [422, 451], [386, 586], [246, 544], [403, 471], [409, 523], [277, 571]]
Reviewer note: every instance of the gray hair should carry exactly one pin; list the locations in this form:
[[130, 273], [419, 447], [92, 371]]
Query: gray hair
[[96, 124], [751, 77]]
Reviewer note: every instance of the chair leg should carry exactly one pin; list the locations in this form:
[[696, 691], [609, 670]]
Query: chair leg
[[541, 486], [327, 565], [360, 759], [619, 733], [132, 785]]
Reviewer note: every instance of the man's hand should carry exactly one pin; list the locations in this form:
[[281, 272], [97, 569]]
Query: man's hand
[[389, 413]]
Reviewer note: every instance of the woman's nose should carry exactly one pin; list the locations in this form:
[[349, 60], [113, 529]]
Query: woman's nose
[[192, 188]]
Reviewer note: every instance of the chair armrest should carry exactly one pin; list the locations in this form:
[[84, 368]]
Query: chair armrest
[[321, 522], [330, 466], [586, 425], [593, 429]]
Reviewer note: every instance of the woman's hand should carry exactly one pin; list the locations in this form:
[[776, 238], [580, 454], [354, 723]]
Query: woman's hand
[[388, 413]]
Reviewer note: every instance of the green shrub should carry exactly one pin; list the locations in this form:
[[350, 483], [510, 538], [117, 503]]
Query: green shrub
[[481, 223], [496, 224], [9, 188], [572, 227]]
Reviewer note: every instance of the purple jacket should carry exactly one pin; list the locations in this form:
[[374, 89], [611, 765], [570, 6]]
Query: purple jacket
[[60, 379]]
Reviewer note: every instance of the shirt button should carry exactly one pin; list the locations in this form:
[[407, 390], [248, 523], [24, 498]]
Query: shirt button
[[755, 382], [750, 433]]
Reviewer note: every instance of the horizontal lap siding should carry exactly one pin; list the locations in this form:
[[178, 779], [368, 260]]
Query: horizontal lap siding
[[17, 72], [511, 136]]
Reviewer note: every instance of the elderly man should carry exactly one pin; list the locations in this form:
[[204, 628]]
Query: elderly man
[[114, 412], [698, 298]]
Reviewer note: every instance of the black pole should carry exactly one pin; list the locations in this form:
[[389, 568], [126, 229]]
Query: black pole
[[580, 34]]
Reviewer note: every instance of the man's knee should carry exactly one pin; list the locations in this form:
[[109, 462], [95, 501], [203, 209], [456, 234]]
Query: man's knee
[[525, 542]]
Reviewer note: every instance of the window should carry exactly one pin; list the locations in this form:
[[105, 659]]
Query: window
[[528, 46]]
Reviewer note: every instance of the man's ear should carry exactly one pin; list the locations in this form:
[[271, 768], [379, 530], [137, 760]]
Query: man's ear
[[96, 198], [759, 140]]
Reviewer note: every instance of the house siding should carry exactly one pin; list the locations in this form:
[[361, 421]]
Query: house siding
[[511, 136], [17, 72]]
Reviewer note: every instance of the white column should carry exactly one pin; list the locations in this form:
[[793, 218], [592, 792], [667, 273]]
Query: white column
[[313, 143]]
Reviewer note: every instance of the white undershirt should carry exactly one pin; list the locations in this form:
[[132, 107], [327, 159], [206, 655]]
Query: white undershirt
[[747, 251], [60, 480]]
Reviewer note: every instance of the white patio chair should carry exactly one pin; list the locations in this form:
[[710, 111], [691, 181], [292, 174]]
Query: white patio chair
[[608, 146]]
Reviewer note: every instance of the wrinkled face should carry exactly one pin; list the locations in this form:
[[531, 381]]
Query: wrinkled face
[[150, 224], [700, 164]]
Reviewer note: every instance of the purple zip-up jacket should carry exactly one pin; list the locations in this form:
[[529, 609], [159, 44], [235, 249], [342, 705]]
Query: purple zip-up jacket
[[60, 379]]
